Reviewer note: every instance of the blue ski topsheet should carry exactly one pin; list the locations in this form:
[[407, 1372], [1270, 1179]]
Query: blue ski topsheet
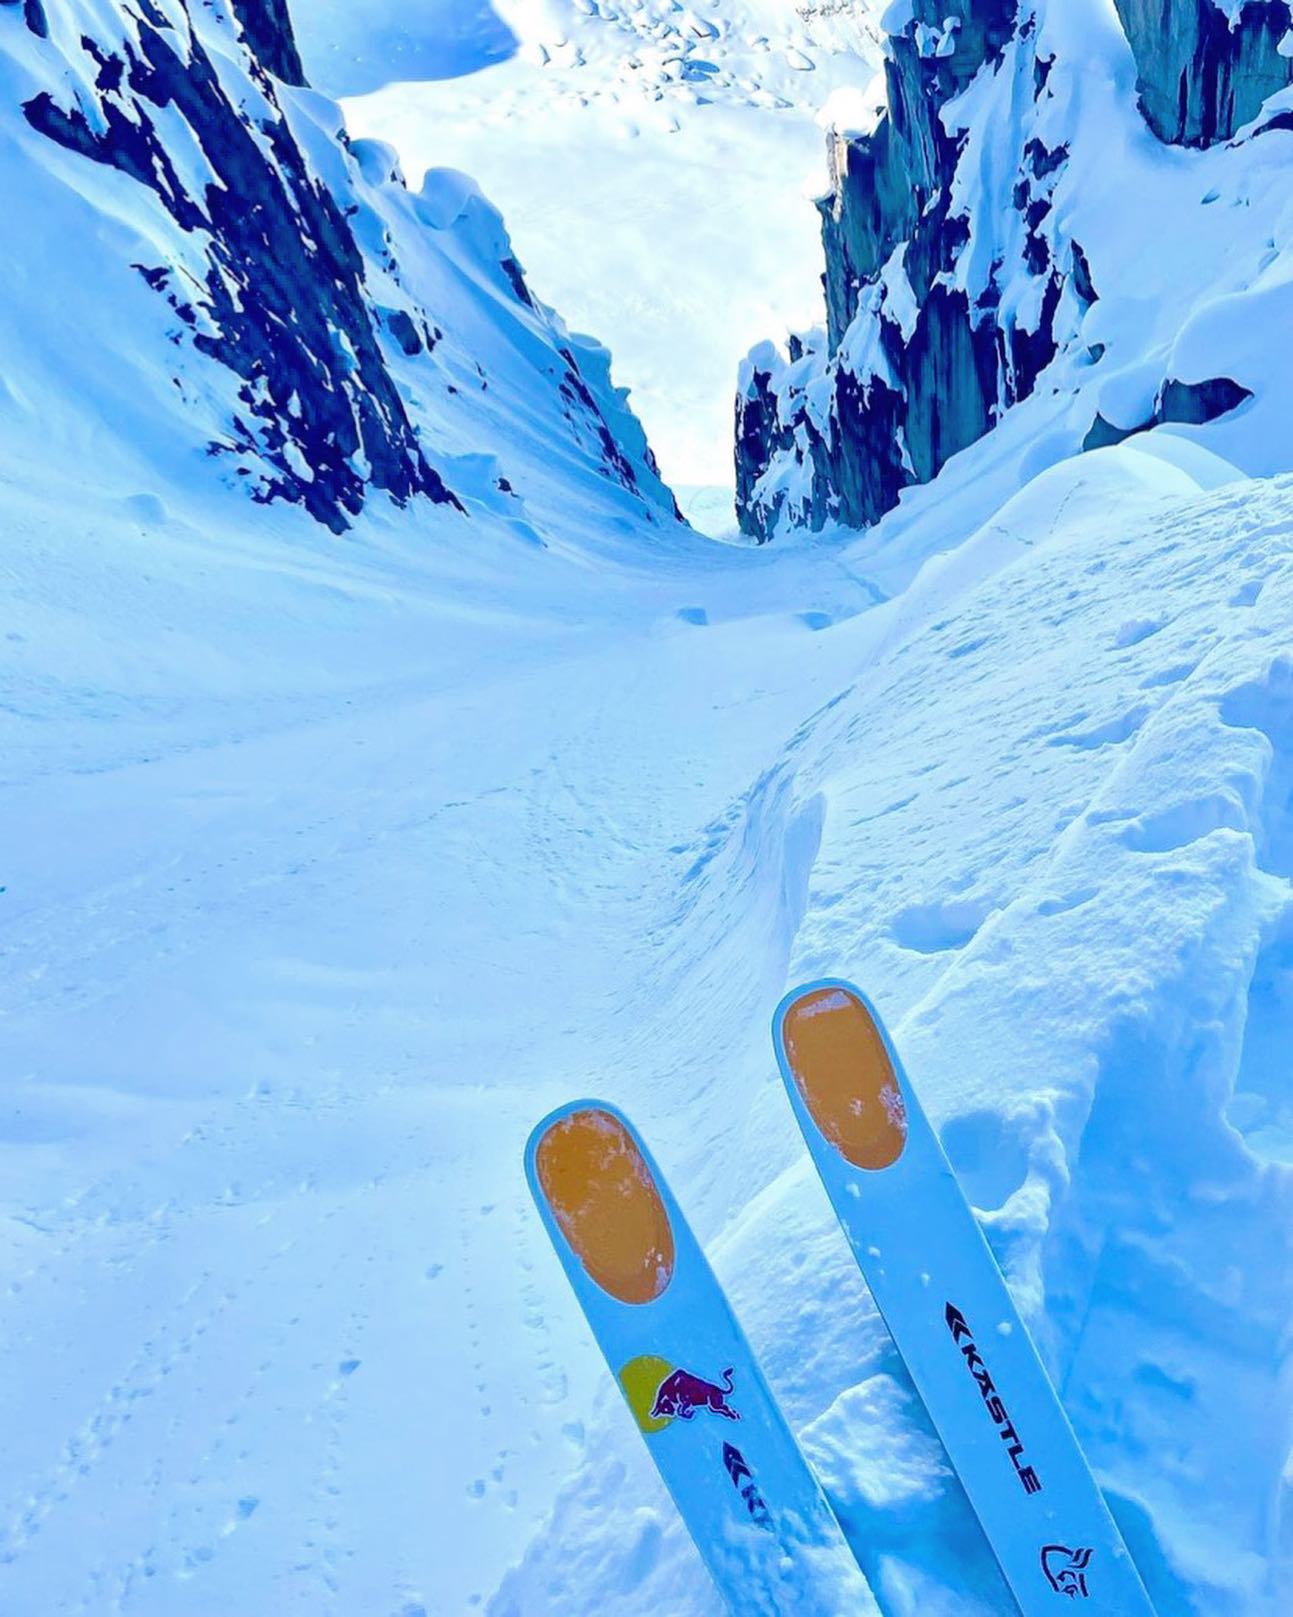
[[736, 1473], [945, 1302]]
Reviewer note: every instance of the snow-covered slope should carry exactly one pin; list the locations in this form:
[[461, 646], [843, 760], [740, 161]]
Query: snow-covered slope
[[688, 134], [333, 861], [1015, 244], [331, 867]]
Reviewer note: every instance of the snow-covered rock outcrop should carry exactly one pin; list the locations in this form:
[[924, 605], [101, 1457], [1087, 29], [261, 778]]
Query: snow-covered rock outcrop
[[237, 280], [267, 27], [1015, 225]]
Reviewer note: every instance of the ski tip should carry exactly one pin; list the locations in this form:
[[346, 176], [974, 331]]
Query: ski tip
[[835, 1057], [590, 1174]]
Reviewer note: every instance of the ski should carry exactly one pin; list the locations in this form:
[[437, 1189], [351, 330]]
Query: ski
[[946, 1305], [735, 1471]]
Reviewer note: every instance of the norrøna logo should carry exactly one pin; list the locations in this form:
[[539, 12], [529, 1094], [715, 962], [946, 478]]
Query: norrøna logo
[[1065, 1570], [964, 1339]]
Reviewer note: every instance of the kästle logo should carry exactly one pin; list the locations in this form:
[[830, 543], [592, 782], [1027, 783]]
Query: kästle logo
[[964, 1339]]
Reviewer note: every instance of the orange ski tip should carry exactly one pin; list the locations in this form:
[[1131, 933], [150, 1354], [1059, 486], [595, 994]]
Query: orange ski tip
[[606, 1203], [841, 1067]]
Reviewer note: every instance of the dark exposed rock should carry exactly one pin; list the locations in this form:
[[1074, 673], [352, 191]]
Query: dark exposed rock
[[516, 276], [1083, 285], [1042, 161], [1185, 403], [1103, 434], [758, 436], [267, 28], [760, 421], [33, 12], [284, 302], [614, 461], [1193, 403], [1200, 78], [949, 375], [867, 461], [400, 325]]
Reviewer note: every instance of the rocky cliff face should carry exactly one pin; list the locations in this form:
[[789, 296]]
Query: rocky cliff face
[[298, 268], [1204, 67], [957, 265], [267, 28]]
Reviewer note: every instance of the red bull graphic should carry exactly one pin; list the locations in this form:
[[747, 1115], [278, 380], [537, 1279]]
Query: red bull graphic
[[1065, 1570], [659, 1393], [682, 1394]]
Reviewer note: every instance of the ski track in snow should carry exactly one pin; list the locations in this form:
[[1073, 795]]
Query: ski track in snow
[[291, 976]]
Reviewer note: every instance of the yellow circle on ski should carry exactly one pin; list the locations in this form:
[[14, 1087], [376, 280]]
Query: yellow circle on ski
[[640, 1379]]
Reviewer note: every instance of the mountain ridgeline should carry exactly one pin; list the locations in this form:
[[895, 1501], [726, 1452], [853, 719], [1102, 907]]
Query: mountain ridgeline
[[956, 266], [333, 334]]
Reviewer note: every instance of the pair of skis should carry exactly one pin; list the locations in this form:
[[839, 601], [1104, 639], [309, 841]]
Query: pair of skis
[[743, 1487]]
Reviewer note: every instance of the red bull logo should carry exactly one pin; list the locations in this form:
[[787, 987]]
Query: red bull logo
[[659, 1393], [1065, 1570], [681, 1394]]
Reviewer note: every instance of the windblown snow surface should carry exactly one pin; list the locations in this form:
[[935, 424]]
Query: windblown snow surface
[[333, 863]]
